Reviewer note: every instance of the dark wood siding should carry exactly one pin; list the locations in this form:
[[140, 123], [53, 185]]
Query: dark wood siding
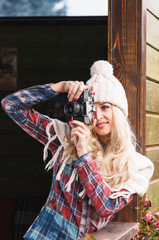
[[46, 53], [126, 50]]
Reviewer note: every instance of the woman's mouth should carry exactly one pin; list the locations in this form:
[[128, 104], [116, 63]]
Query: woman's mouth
[[101, 125]]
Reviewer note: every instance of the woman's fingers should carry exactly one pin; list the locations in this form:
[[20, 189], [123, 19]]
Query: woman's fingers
[[76, 88], [81, 130], [77, 134], [75, 123], [80, 89], [73, 86]]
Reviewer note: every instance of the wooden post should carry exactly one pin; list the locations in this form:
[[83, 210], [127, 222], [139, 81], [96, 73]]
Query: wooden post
[[127, 53]]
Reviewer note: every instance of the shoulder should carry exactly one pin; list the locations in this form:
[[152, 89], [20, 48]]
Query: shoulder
[[141, 173], [144, 164]]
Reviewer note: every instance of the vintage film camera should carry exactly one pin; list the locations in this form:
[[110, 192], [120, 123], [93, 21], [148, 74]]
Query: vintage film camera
[[82, 109]]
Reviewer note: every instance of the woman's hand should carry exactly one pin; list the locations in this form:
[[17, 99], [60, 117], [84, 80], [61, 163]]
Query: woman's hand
[[73, 88], [80, 134]]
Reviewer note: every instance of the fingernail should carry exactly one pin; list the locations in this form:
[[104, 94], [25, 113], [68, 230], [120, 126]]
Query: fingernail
[[93, 93], [94, 118], [74, 99], [70, 121]]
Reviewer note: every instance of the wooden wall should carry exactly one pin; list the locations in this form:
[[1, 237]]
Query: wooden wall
[[127, 52], [152, 97], [46, 53]]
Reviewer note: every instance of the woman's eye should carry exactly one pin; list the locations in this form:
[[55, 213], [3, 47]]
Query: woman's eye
[[105, 107]]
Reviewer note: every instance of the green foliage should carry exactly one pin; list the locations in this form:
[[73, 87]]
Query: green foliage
[[148, 225], [90, 237]]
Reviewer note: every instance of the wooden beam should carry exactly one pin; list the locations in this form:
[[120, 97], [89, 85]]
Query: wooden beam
[[127, 53]]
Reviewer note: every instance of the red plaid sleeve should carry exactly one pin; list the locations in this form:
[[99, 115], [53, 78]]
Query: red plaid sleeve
[[97, 190]]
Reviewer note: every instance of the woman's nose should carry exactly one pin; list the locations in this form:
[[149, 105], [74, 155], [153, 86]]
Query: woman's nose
[[99, 114]]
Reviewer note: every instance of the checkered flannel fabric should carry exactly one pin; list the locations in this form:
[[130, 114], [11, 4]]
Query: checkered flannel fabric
[[69, 207], [51, 225]]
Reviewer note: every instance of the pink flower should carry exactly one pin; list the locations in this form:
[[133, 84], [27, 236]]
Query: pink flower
[[157, 224], [149, 216], [136, 228], [148, 203]]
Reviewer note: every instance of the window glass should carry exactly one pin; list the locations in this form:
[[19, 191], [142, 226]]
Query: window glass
[[30, 8]]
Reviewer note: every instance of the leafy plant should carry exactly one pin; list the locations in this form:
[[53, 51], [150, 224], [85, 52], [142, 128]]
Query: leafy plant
[[148, 225], [90, 237]]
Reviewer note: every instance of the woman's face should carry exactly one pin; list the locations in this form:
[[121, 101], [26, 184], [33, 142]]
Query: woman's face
[[104, 118]]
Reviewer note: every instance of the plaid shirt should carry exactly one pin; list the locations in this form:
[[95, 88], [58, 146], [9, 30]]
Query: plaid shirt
[[65, 215]]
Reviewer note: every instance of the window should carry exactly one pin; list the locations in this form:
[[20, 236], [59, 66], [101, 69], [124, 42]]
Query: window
[[41, 8]]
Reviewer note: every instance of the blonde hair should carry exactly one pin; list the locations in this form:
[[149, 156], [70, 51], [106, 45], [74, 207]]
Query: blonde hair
[[114, 158]]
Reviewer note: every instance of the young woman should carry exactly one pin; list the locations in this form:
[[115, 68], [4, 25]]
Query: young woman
[[96, 169]]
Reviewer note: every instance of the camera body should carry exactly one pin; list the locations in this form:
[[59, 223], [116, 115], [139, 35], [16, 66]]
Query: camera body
[[82, 109]]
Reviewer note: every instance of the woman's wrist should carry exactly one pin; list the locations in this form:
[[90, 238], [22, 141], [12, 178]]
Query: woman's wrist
[[58, 87], [82, 152]]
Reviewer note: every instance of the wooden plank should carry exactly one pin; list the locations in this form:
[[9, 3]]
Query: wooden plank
[[126, 51], [153, 6], [115, 231], [152, 32], [153, 154], [152, 129], [152, 96], [152, 63], [153, 194]]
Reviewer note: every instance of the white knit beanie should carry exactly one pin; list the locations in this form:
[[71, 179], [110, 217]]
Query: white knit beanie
[[107, 87]]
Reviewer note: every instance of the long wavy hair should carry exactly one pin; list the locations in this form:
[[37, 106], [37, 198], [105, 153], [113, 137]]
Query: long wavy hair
[[113, 157]]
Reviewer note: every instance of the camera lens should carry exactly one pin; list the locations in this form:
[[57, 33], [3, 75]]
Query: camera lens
[[73, 109]]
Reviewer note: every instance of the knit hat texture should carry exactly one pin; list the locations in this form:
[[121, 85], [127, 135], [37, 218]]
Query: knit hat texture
[[107, 86]]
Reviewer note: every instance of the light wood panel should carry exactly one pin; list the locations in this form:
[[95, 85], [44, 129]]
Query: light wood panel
[[152, 30], [153, 6], [152, 96], [115, 231], [153, 154], [152, 129], [153, 194], [152, 63]]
